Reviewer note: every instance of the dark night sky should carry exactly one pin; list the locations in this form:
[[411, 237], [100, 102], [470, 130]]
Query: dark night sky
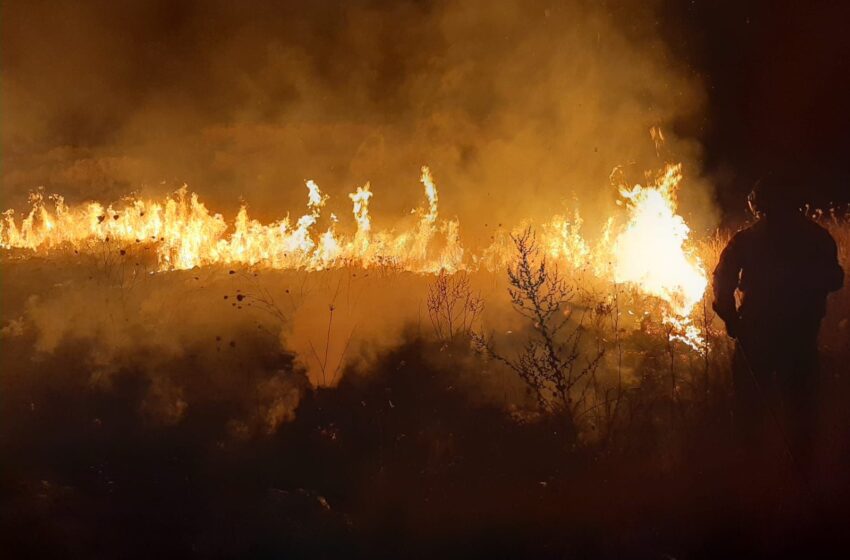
[[778, 85]]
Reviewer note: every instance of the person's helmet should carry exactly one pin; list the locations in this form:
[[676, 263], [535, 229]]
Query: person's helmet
[[773, 196]]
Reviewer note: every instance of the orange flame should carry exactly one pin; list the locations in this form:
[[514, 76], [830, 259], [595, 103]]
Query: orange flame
[[649, 251]]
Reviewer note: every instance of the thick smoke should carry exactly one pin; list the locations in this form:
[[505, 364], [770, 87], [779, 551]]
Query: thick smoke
[[522, 109], [251, 341], [519, 107]]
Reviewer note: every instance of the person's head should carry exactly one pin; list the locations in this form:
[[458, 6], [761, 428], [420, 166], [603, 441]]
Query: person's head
[[771, 196]]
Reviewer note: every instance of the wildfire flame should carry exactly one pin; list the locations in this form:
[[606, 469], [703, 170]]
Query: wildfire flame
[[649, 251], [186, 234]]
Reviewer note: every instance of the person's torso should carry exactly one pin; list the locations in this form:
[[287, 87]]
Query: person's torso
[[781, 276]]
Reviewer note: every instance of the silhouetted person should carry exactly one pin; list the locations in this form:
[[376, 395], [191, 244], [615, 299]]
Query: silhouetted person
[[784, 266]]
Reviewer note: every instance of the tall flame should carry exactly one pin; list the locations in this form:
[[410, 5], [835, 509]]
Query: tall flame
[[650, 251], [360, 200]]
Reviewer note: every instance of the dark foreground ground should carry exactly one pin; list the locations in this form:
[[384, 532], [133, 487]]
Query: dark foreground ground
[[170, 425], [398, 463]]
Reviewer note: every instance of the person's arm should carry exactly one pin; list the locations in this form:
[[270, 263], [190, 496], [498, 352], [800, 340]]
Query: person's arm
[[726, 276]]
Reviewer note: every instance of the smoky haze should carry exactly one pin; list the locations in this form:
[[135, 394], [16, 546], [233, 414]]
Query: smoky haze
[[522, 109], [246, 411]]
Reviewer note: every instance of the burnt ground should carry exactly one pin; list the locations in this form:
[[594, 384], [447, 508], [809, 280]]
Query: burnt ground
[[396, 461]]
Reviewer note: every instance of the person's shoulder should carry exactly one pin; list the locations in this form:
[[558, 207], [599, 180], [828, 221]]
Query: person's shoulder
[[741, 243], [817, 232], [747, 234]]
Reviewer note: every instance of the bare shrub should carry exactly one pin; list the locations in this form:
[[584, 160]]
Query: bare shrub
[[550, 361], [328, 364], [453, 306]]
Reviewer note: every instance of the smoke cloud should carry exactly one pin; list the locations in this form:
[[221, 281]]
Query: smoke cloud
[[518, 107], [521, 109]]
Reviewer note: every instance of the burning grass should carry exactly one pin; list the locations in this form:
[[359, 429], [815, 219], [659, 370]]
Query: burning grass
[[597, 320], [327, 409], [334, 396], [184, 235]]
